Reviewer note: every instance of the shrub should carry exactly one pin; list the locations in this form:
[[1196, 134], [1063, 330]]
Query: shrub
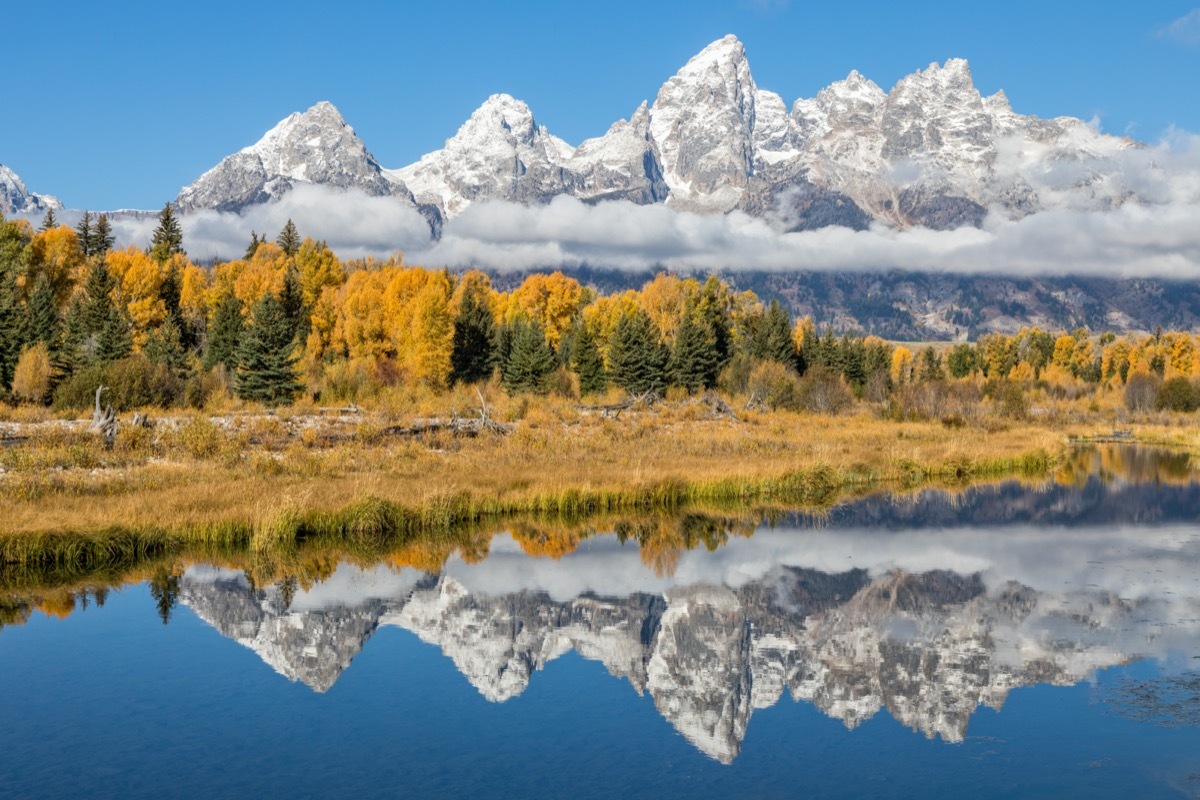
[[1009, 398], [33, 374], [735, 377], [1141, 392], [774, 384], [1178, 394], [133, 382], [823, 391]]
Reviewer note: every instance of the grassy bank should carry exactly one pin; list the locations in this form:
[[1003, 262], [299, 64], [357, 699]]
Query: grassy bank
[[261, 483]]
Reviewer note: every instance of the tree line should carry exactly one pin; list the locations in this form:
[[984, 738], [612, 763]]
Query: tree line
[[289, 316]]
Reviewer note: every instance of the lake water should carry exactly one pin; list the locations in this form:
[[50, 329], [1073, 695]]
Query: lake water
[[1032, 640]]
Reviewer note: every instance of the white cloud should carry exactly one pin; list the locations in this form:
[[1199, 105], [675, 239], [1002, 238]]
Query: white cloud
[[1157, 236], [1185, 30]]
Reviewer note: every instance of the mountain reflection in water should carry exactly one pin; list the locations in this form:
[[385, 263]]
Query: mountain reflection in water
[[926, 608]]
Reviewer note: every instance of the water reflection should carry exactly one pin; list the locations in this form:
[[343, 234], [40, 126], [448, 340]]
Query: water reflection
[[925, 609]]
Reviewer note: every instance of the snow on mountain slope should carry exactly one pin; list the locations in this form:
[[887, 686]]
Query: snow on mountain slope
[[932, 152], [15, 198], [317, 147]]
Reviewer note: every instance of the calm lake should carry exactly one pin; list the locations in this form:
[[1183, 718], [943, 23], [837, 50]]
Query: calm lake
[[1032, 639]]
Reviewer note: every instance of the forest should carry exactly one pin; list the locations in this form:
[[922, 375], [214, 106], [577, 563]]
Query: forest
[[291, 321]]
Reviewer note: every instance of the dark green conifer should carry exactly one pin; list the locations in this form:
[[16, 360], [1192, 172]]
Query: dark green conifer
[[266, 362], [225, 333], [773, 337], [471, 353], [44, 321], [165, 346], [50, 221], [587, 363], [102, 237], [289, 239], [292, 300], [83, 232], [931, 365], [115, 340], [637, 362], [693, 362], [530, 361], [12, 326], [167, 239], [252, 248]]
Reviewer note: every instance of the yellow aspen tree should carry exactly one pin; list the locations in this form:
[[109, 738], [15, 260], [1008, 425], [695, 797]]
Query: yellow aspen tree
[[140, 287], [319, 269], [1183, 356], [551, 300], [902, 365], [361, 321], [428, 354], [55, 254]]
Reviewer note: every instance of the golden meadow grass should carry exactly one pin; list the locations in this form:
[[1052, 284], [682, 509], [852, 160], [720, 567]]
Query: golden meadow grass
[[267, 482]]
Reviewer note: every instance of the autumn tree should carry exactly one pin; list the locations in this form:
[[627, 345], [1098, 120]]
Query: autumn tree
[[266, 370], [34, 374]]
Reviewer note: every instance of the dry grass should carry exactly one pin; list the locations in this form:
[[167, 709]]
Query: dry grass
[[255, 480]]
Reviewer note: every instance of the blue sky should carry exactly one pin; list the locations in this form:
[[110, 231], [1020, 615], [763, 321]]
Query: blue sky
[[120, 105]]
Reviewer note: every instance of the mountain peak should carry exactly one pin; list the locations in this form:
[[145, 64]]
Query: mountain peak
[[15, 197]]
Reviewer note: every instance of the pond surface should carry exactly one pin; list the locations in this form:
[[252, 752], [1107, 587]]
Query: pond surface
[[1033, 640]]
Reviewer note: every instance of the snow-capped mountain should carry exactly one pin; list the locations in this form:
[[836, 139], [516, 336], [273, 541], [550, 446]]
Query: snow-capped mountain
[[932, 151], [15, 198]]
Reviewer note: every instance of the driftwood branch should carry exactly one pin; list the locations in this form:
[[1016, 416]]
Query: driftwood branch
[[459, 426], [717, 407], [104, 421], [613, 410]]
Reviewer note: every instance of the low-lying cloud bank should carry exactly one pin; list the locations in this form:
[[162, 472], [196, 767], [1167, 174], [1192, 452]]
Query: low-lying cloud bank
[[1156, 237]]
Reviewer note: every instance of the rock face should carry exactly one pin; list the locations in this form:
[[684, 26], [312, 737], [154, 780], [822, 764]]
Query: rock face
[[15, 198], [314, 147], [931, 152]]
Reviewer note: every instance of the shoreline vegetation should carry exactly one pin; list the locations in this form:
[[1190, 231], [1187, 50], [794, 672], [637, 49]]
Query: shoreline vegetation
[[290, 548]]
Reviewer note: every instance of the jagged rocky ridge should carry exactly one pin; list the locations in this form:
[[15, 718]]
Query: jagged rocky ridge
[[15, 198], [930, 152]]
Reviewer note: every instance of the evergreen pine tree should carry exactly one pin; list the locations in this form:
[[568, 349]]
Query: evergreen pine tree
[[50, 221], [292, 300], [530, 361], [44, 322], [852, 356], [693, 362], [165, 346], [289, 239], [773, 337], [102, 237], [167, 239], [73, 350], [12, 326], [97, 291], [587, 363], [503, 349], [83, 233], [266, 361], [637, 362], [471, 353], [225, 333], [931, 365], [115, 340], [712, 312], [252, 248]]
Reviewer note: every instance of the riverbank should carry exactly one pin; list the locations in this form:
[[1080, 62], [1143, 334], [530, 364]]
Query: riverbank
[[255, 480]]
